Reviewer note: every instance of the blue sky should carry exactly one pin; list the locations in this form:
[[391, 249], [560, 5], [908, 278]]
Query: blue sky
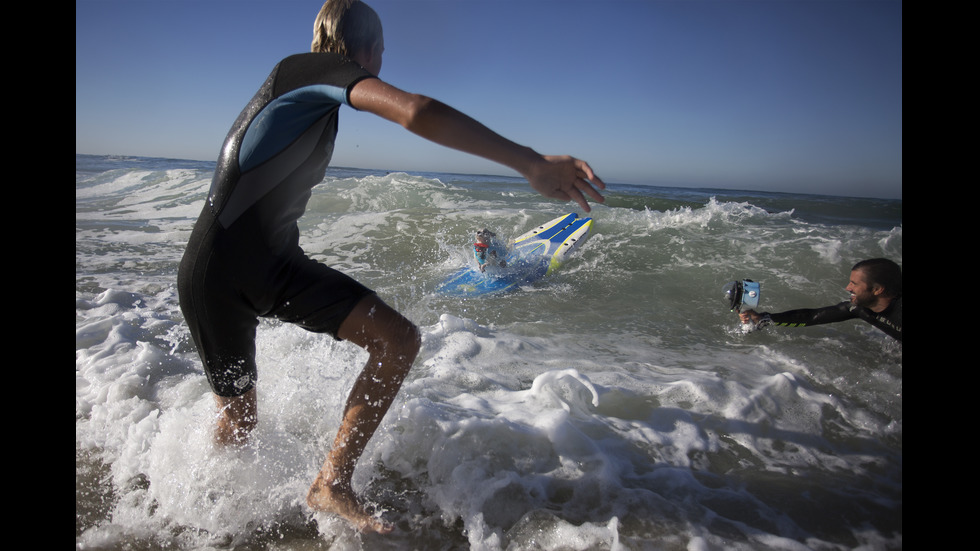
[[773, 95]]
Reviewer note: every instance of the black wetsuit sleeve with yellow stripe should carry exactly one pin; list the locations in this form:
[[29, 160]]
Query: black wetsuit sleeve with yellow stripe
[[889, 320]]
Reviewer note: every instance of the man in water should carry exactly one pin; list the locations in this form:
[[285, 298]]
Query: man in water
[[243, 260], [876, 297]]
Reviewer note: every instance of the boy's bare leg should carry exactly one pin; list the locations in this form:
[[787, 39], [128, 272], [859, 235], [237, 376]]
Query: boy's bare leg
[[237, 416], [392, 343]]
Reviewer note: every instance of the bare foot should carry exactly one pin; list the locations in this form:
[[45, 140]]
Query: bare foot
[[341, 501]]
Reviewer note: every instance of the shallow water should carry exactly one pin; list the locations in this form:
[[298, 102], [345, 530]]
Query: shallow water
[[616, 404]]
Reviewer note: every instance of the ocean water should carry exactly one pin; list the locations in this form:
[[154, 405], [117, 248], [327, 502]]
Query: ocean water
[[617, 404]]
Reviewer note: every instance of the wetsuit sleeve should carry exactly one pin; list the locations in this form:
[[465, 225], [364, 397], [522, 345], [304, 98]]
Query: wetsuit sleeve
[[889, 320], [330, 74], [809, 316], [304, 90]]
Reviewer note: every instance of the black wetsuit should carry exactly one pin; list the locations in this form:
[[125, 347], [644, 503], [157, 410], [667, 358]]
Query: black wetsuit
[[243, 260], [888, 320]]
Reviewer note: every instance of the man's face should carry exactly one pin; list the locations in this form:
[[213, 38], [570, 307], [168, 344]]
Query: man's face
[[862, 293]]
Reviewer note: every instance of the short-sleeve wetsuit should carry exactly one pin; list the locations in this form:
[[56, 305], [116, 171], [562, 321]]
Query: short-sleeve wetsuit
[[243, 260], [888, 320]]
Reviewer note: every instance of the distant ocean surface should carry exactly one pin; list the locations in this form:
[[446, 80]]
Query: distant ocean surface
[[615, 405]]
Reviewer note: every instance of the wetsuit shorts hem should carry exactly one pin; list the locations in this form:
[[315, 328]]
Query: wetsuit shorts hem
[[223, 315]]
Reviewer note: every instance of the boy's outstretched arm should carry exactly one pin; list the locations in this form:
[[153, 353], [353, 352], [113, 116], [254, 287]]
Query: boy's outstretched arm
[[557, 177]]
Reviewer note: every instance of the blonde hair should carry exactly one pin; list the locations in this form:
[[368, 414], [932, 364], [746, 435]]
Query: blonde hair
[[345, 27]]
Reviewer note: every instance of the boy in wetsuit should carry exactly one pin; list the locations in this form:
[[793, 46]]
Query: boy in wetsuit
[[243, 260], [876, 297]]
